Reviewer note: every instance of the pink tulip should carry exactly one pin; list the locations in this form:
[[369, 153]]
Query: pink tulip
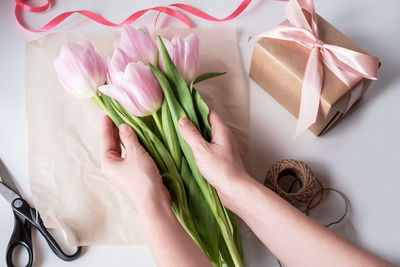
[[134, 87], [80, 69], [137, 44], [185, 55]]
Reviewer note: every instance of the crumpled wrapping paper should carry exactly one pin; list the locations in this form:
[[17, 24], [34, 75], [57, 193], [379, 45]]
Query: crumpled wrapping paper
[[67, 186]]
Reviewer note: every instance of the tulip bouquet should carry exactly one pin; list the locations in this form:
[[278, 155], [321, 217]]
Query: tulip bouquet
[[150, 86]]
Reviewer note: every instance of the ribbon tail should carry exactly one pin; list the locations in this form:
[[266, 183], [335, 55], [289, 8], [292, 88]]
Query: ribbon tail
[[310, 92]]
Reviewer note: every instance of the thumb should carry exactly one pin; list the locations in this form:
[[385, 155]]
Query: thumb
[[191, 135], [128, 138]]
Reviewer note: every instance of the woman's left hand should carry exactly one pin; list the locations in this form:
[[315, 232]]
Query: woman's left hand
[[135, 175]]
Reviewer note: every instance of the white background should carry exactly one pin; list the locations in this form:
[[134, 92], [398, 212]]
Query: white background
[[359, 156]]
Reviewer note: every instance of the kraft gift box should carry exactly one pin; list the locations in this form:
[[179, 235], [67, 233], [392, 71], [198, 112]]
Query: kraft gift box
[[278, 67]]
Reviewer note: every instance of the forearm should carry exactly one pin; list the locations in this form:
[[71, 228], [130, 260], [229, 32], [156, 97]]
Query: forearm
[[293, 237], [167, 239]]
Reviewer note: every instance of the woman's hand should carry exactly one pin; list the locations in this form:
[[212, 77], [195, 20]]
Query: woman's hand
[[135, 175], [219, 160]]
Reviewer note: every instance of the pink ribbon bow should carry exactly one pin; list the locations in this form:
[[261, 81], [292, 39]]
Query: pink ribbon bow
[[349, 66]]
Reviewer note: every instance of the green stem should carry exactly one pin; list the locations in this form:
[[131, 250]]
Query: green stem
[[99, 102], [226, 230], [159, 126]]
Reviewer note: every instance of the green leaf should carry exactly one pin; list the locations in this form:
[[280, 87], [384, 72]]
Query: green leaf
[[201, 214], [236, 236], [177, 193], [148, 120], [147, 138], [202, 111], [224, 249], [206, 76], [209, 193], [226, 256], [180, 207], [173, 104], [107, 101], [178, 83], [170, 134], [177, 113]]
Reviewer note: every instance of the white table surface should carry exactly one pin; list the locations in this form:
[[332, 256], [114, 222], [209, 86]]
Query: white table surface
[[359, 156]]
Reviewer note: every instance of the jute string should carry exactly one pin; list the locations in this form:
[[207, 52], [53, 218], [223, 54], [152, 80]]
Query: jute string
[[310, 191]]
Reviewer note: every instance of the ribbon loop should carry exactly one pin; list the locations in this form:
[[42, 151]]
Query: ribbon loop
[[34, 9]]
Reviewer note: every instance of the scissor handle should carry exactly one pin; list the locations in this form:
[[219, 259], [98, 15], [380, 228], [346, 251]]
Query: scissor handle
[[53, 243], [21, 236], [21, 207]]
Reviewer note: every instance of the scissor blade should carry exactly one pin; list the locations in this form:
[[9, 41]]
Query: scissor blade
[[7, 193], [6, 178]]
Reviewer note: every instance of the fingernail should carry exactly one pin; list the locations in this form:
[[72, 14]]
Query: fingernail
[[183, 121], [124, 128]]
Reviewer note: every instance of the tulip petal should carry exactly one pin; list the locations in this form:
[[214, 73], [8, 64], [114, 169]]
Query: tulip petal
[[116, 65], [119, 60], [143, 86], [178, 54], [80, 69], [137, 44], [191, 57], [125, 99], [185, 55]]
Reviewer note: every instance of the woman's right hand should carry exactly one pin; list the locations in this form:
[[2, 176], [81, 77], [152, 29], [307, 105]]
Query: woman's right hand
[[278, 227], [219, 160]]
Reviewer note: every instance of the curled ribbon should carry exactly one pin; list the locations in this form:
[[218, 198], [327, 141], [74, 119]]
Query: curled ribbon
[[20, 4], [91, 15], [349, 66]]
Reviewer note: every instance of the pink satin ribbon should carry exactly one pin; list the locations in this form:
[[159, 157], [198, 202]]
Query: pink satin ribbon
[[20, 5], [349, 66]]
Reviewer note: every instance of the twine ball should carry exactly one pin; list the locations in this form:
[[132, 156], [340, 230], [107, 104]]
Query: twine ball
[[310, 187], [301, 173]]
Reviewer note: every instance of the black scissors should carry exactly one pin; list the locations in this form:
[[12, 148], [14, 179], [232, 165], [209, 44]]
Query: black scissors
[[25, 217]]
